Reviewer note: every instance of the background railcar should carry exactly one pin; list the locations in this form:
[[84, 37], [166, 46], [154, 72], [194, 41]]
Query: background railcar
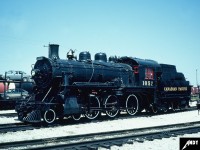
[[12, 91]]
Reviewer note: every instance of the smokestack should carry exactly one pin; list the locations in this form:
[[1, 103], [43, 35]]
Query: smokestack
[[53, 51]]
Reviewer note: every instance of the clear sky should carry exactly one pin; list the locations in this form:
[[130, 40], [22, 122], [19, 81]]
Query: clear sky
[[167, 31]]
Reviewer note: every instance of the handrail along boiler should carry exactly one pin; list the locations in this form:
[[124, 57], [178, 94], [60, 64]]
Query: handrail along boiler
[[71, 87]]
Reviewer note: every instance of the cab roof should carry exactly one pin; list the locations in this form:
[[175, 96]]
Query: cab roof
[[140, 62]]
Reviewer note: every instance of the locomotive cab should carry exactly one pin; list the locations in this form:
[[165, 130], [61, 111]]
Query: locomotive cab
[[146, 72]]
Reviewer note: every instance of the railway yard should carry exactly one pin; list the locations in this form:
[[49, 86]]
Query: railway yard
[[161, 131], [99, 75], [122, 103]]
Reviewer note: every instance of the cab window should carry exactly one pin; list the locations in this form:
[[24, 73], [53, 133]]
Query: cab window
[[149, 74]]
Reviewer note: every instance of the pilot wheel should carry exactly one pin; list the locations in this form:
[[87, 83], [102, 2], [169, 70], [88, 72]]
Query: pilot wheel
[[49, 116], [76, 117]]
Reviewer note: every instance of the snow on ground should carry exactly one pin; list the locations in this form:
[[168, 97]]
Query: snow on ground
[[110, 125]]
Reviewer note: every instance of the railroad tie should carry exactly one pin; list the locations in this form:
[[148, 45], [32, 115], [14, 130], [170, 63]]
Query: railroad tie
[[105, 145]]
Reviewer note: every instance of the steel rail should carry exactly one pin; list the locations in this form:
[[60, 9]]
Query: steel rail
[[8, 115], [14, 127]]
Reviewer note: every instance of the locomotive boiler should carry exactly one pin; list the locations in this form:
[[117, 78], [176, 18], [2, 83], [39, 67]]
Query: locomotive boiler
[[47, 70], [84, 87]]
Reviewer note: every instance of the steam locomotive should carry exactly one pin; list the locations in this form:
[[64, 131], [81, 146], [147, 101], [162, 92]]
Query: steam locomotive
[[85, 87]]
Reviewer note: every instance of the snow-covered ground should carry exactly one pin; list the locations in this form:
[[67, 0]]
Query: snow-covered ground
[[110, 125]]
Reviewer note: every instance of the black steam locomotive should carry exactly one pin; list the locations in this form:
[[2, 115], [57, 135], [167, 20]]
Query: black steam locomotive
[[88, 87]]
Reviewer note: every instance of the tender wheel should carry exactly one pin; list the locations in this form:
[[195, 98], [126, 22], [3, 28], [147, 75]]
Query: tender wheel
[[132, 105], [49, 116], [76, 117], [154, 109], [173, 106], [111, 106], [183, 107], [94, 104], [166, 108]]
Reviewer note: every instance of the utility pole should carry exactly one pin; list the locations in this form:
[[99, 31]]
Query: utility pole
[[197, 83]]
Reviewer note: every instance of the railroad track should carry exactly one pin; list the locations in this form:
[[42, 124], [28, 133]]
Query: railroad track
[[106, 139], [14, 127]]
